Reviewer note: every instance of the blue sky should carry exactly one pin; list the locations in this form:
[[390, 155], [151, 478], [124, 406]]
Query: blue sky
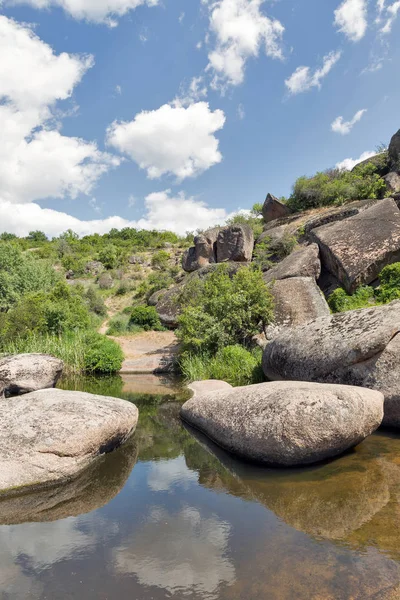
[[176, 114]]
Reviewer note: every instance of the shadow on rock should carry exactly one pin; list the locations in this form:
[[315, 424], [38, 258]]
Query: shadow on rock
[[93, 488]]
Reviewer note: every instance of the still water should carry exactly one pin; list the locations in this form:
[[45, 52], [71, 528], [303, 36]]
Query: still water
[[170, 516]]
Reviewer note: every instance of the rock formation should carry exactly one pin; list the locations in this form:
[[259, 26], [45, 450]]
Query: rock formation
[[274, 209], [24, 373]]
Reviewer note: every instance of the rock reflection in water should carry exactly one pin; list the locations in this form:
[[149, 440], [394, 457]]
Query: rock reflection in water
[[93, 488]]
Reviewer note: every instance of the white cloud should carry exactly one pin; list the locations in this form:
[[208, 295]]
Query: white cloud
[[118, 89], [303, 79], [240, 30], [241, 112], [349, 163], [391, 13], [98, 11], [36, 161], [181, 17], [164, 475], [173, 139], [351, 19], [344, 127], [163, 211]]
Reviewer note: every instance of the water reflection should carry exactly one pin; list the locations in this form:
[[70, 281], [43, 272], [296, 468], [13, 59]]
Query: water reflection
[[181, 553], [175, 517]]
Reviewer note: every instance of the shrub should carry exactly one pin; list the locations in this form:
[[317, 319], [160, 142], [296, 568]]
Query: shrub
[[160, 259], [270, 250], [106, 282], [340, 301], [118, 325], [145, 317], [336, 187], [253, 220], [220, 310], [233, 364], [123, 288], [95, 302], [102, 355], [389, 288], [109, 256]]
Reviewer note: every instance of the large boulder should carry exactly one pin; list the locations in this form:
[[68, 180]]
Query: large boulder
[[203, 252], [380, 161], [274, 209], [392, 181], [357, 249], [394, 151], [303, 262], [359, 347], [50, 436], [24, 373], [286, 423], [297, 300], [235, 243]]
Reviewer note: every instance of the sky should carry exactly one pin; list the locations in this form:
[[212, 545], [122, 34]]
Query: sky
[[175, 114]]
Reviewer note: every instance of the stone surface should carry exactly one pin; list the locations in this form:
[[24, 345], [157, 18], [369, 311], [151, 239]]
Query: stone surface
[[339, 213], [50, 436], [303, 262], [359, 347], [274, 209], [95, 487], [24, 373], [297, 300], [394, 151], [357, 249], [149, 352], [286, 423], [208, 385], [94, 267], [235, 243], [392, 181], [203, 252]]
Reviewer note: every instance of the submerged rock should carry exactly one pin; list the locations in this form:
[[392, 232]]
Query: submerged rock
[[50, 436], [24, 373], [286, 423], [359, 347]]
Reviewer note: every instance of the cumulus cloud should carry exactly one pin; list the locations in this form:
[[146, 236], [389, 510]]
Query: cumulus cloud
[[351, 19], [303, 79], [239, 31], [36, 160], [173, 139], [163, 211], [344, 127], [349, 163], [97, 11]]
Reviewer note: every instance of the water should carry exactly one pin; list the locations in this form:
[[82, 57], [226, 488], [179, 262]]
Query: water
[[171, 516]]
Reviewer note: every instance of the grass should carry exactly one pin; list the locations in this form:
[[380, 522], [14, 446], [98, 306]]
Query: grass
[[233, 364]]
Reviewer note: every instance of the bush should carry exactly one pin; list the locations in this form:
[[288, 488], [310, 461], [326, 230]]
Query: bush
[[233, 364], [253, 220], [118, 325], [102, 354], [336, 187], [95, 302], [340, 301], [106, 281], [160, 259], [220, 310], [109, 256], [389, 288], [270, 251], [145, 317]]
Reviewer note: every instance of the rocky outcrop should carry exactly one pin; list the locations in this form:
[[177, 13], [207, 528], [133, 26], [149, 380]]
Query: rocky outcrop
[[94, 267], [274, 209], [392, 181], [380, 161], [50, 436], [208, 385], [233, 243], [357, 249], [286, 423], [394, 151], [203, 252], [297, 300], [359, 347], [303, 262], [24, 373]]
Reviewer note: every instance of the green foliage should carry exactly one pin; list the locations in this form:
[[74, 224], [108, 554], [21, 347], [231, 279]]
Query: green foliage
[[219, 310], [109, 256], [271, 250], [145, 317], [389, 288], [102, 355], [95, 302], [233, 364], [160, 259], [340, 301], [336, 187], [253, 220], [21, 274], [118, 325], [37, 237]]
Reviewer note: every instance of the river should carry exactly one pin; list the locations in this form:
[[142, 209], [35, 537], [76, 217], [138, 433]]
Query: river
[[171, 516]]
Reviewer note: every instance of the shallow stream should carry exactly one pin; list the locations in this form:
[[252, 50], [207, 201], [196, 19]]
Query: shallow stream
[[171, 516]]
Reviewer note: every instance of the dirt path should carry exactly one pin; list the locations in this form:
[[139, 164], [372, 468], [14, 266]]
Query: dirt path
[[148, 352]]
